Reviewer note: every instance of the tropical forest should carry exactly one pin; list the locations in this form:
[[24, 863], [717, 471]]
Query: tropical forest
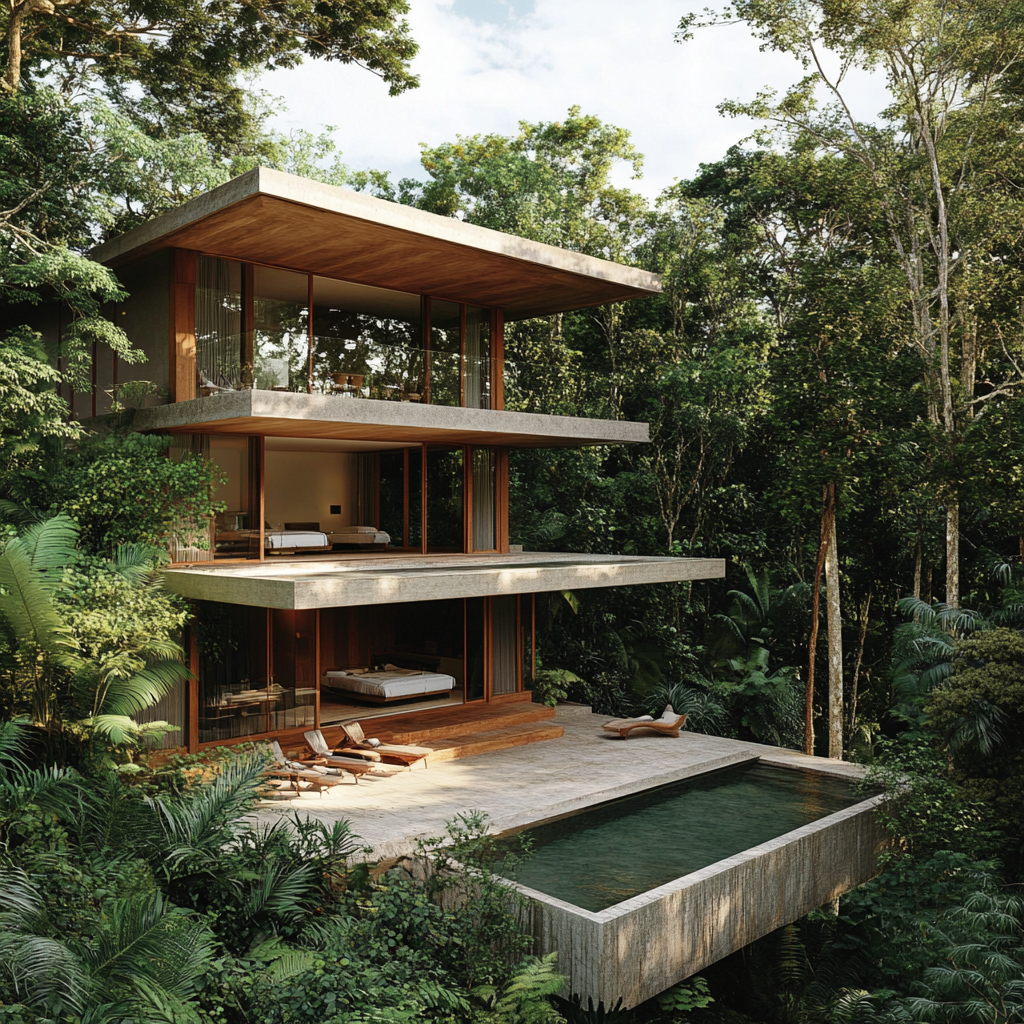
[[833, 374]]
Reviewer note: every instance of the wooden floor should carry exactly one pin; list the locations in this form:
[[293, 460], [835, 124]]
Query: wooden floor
[[454, 732]]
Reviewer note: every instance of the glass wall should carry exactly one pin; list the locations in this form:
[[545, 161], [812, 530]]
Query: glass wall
[[280, 330], [445, 352], [475, 678], [367, 342], [235, 533], [234, 698], [293, 677], [445, 479], [262, 327]]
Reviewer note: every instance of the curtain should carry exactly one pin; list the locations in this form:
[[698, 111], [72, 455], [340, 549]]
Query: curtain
[[503, 645], [171, 708], [485, 480], [218, 322], [477, 368]]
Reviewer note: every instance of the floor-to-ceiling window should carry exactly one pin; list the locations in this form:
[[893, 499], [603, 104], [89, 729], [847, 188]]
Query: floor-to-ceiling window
[[274, 329]]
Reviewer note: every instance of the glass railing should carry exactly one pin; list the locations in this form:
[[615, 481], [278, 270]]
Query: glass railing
[[372, 370]]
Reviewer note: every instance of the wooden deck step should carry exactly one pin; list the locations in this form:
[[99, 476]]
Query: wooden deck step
[[491, 740], [429, 730]]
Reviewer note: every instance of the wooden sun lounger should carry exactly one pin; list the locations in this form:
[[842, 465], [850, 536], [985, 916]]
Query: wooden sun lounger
[[305, 771], [324, 755], [668, 725], [359, 746]]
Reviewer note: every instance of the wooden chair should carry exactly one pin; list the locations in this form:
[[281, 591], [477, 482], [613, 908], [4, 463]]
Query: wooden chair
[[324, 755], [373, 750], [668, 725], [318, 778]]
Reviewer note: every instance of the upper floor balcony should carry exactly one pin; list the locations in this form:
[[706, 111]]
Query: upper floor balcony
[[282, 285]]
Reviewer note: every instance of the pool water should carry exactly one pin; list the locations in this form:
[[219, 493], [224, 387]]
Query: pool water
[[617, 850]]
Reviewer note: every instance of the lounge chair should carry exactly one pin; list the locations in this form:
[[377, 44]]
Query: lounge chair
[[373, 750], [317, 778], [324, 755], [669, 724]]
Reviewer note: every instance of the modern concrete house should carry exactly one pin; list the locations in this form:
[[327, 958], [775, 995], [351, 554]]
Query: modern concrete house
[[341, 359]]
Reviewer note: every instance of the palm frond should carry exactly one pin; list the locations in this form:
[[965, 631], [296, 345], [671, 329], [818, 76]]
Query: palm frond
[[139, 563], [143, 689], [15, 737], [146, 938], [283, 892], [45, 972], [197, 821], [981, 728], [51, 545], [25, 603]]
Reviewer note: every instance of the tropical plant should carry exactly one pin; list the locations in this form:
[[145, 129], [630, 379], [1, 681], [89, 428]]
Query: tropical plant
[[705, 712], [91, 692]]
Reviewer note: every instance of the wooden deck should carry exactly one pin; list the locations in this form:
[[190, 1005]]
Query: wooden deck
[[454, 732]]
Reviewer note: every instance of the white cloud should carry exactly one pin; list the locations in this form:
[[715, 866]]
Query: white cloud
[[484, 74]]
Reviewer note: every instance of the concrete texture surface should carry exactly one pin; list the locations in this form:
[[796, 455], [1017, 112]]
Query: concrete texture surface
[[645, 945], [292, 413], [383, 578]]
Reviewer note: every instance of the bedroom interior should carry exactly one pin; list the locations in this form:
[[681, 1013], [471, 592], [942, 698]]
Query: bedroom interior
[[259, 668]]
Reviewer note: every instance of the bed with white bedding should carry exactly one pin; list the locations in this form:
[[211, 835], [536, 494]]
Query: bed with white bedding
[[389, 684], [279, 542], [359, 535]]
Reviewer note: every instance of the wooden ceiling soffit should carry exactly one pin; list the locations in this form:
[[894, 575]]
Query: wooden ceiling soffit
[[404, 249]]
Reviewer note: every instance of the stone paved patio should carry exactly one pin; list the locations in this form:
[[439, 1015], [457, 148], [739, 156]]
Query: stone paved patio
[[527, 784]]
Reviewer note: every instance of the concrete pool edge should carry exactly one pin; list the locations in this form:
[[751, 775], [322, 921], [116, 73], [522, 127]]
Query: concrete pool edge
[[644, 945]]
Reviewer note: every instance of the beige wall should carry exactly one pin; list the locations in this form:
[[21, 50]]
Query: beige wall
[[302, 486]]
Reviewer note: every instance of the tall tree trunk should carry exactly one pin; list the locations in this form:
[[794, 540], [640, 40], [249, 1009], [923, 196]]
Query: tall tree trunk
[[828, 513], [953, 553], [835, 643], [917, 565], [855, 682]]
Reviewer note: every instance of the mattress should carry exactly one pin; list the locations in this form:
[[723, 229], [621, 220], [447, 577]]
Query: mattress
[[275, 540], [360, 536], [392, 682]]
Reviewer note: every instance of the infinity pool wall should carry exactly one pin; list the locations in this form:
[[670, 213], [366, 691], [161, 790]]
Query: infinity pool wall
[[645, 944]]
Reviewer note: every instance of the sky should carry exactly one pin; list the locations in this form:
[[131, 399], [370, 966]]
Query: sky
[[485, 65]]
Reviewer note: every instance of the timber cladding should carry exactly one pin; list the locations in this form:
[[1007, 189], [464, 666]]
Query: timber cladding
[[645, 945]]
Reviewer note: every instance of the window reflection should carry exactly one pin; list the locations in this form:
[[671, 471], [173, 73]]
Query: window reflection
[[280, 330]]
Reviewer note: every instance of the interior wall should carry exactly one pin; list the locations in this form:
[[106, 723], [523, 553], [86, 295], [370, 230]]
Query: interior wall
[[231, 455], [302, 487]]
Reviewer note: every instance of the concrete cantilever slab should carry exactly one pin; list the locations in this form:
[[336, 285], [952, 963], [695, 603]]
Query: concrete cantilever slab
[[293, 414], [265, 216], [382, 579]]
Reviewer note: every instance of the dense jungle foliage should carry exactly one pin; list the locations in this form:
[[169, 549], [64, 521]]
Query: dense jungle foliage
[[832, 375]]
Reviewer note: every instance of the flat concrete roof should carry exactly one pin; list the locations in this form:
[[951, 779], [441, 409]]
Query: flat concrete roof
[[293, 414], [337, 582], [268, 217]]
